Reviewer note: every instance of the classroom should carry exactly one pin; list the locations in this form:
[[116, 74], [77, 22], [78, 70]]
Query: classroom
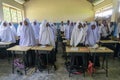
[[59, 39]]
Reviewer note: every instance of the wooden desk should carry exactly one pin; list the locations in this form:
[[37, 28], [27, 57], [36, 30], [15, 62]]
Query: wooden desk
[[108, 42], [23, 50], [46, 48], [102, 51], [77, 51], [5, 44], [42, 50], [66, 42]]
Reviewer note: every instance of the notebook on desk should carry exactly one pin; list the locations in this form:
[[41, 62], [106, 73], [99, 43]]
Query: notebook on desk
[[74, 49]]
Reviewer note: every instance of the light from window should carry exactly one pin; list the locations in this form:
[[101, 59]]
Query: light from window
[[12, 14]]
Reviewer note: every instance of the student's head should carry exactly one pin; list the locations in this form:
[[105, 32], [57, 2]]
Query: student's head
[[62, 23], [34, 22], [80, 25], [84, 24], [72, 24], [10, 24], [68, 22], [54, 24], [99, 24], [4, 24], [21, 23], [25, 23], [47, 24], [93, 25]]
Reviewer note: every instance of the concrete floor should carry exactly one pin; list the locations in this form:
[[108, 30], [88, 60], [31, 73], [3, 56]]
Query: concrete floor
[[61, 73]]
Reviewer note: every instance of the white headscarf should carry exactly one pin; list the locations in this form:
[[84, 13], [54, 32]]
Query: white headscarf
[[67, 31], [19, 28], [92, 35], [54, 30], [77, 35], [36, 29], [46, 35], [27, 37], [13, 29], [85, 28], [6, 34]]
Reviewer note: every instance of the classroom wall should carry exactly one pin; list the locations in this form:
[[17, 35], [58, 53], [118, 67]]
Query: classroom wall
[[103, 4], [57, 10], [9, 2]]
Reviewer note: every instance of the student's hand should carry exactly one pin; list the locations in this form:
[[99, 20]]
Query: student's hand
[[47, 45]]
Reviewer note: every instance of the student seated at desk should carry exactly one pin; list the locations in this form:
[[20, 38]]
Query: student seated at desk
[[46, 38], [92, 38], [6, 33], [27, 38]]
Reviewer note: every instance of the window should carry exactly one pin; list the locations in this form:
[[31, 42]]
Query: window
[[105, 12], [12, 14]]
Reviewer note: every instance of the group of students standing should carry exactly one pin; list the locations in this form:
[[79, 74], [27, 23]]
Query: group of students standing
[[45, 34], [28, 34]]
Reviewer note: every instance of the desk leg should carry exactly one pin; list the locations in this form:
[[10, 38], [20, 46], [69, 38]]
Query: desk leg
[[24, 58], [47, 61], [106, 65], [103, 61], [13, 62], [94, 56], [36, 61], [83, 63]]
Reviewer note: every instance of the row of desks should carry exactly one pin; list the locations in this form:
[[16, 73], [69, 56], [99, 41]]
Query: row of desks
[[23, 51], [104, 51], [82, 51]]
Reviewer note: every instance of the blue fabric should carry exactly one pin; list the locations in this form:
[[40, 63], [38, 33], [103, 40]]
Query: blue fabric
[[115, 29]]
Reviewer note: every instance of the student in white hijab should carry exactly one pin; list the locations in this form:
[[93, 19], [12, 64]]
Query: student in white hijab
[[27, 37], [67, 30], [36, 29], [71, 28], [52, 26], [92, 39], [46, 35], [62, 27], [77, 35], [13, 28], [92, 34], [46, 38], [85, 28], [6, 33], [19, 28]]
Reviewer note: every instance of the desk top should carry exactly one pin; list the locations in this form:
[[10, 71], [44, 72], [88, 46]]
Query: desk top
[[19, 48], [41, 48], [5, 43], [67, 42], [101, 50], [77, 49], [108, 41]]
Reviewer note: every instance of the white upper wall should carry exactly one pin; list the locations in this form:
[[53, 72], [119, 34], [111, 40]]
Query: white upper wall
[[57, 10]]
